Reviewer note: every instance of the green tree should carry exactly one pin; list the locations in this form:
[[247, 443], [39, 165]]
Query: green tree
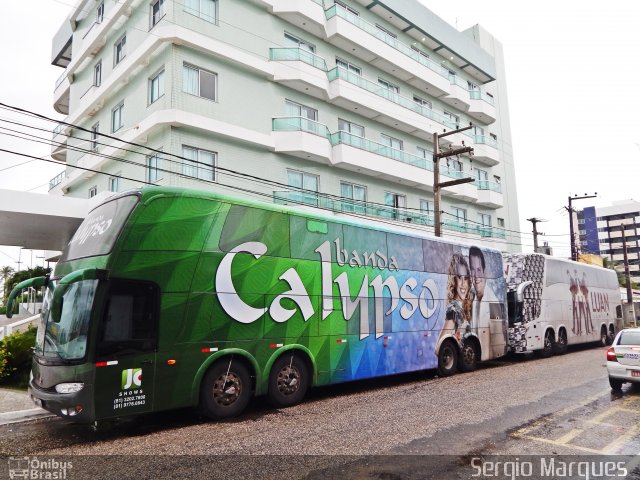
[[5, 273], [22, 275]]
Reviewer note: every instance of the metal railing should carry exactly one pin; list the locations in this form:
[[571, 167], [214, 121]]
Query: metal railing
[[292, 54], [57, 180]]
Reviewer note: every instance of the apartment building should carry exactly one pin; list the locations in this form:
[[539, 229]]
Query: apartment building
[[330, 104], [601, 232]]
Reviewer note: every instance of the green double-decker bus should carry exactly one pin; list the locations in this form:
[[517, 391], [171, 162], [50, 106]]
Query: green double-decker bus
[[168, 298]]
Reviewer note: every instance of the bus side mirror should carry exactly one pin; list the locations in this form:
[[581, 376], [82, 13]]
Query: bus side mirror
[[65, 283], [35, 282]]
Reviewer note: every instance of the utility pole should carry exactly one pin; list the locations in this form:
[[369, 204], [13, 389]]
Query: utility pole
[[627, 276], [437, 155], [574, 249], [535, 221]]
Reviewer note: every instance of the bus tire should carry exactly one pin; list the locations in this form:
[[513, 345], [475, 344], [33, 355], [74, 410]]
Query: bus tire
[[288, 381], [547, 348], [226, 390], [604, 336], [612, 334], [560, 346], [447, 358], [468, 356]]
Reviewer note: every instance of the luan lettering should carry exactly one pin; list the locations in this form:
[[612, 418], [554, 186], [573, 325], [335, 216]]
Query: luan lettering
[[424, 300]]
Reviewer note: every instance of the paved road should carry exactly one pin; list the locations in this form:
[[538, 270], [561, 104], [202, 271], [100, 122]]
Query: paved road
[[561, 405]]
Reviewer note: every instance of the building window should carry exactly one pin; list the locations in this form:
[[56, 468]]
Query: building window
[[201, 83], [156, 86], [472, 86], [424, 153], [298, 110], [93, 191], [422, 102], [306, 185], [114, 183], [355, 197], [97, 74], [455, 165], [426, 207], [478, 131], [95, 131], [455, 119], [384, 30], [391, 141], [199, 163], [117, 120], [346, 7], [460, 214], [154, 168], [388, 85], [100, 12], [293, 41], [485, 220], [348, 66], [205, 9], [397, 203], [350, 127], [157, 12], [482, 176], [119, 50]]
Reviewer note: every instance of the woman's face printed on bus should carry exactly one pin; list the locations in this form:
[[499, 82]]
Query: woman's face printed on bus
[[462, 282]]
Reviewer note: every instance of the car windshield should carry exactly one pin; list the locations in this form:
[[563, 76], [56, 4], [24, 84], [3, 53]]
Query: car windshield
[[632, 337], [66, 337]]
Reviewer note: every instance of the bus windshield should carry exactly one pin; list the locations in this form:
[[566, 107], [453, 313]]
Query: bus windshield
[[98, 232], [65, 338]]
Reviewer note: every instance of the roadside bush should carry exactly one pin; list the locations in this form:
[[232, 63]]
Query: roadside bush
[[15, 358], [3, 310]]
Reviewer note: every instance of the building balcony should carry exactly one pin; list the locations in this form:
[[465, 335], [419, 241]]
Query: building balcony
[[59, 142], [57, 180], [306, 14], [367, 42], [490, 194], [61, 92], [372, 100], [485, 150], [302, 138], [482, 107], [300, 70], [458, 96]]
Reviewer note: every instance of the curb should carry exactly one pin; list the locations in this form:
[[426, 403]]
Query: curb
[[23, 416]]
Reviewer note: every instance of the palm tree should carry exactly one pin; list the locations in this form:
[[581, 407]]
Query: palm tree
[[5, 273]]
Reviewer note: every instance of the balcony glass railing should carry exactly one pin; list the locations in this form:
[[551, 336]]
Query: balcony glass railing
[[59, 128], [337, 10], [387, 94], [299, 124], [299, 54], [57, 180], [379, 149], [456, 80], [61, 78], [487, 185], [359, 207], [478, 95], [481, 139]]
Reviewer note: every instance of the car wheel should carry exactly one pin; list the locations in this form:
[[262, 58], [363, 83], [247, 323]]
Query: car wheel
[[288, 381], [468, 357], [616, 385], [447, 358], [226, 390]]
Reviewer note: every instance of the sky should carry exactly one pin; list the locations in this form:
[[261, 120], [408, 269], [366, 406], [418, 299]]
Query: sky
[[571, 71]]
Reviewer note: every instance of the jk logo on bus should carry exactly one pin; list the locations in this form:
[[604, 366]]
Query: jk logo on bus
[[131, 378]]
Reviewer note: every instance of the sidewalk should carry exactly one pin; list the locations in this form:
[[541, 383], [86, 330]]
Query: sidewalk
[[16, 406]]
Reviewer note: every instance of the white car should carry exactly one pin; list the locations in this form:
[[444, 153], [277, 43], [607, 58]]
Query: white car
[[623, 358]]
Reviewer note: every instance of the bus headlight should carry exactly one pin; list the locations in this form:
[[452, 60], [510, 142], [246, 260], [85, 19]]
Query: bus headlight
[[69, 387]]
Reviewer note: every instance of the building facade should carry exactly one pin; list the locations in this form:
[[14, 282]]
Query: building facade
[[601, 233], [331, 104]]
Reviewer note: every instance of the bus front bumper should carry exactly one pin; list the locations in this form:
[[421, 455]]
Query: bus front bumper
[[76, 406]]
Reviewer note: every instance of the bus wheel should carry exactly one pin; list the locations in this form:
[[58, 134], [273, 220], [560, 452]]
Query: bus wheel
[[561, 344], [226, 390], [612, 335], [468, 356], [447, 359], [288, 381], [604, 337], [547, 349]]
